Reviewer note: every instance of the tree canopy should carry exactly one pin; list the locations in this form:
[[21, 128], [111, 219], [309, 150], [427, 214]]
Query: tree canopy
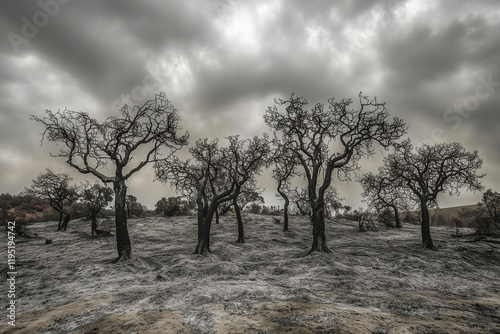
[[430, 170], [309, 135]]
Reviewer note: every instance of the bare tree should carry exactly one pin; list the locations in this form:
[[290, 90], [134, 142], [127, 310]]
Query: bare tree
[[284, 170], [301, 201], [215, 176], [250, 193], [191, 177], [137, 136], [310, 134], [430, 170], [95, 197], [382, 193], [248, 157], [57, 190]]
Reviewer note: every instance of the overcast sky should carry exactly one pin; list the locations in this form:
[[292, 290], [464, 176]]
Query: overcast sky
[[221, 62]]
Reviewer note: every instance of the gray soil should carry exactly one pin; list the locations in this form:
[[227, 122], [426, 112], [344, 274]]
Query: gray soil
[[380, 281]]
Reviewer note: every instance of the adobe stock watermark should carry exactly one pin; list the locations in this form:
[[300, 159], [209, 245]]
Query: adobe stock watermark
[[456, 114], [31, 26], [11, 273]]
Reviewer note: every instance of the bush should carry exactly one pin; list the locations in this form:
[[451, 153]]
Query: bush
[[173, 206], [387, 218], [487, 218]]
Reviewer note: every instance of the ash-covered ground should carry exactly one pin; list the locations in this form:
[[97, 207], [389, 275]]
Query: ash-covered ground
[[373, 282]]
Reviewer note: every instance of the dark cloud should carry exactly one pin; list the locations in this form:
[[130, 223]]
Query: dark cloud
[[221, 62]]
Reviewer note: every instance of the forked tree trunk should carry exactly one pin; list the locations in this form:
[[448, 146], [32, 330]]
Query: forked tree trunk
[[241, 236], [203, 245], [319, 238], [426, 231], [122, 238], [65, 222]]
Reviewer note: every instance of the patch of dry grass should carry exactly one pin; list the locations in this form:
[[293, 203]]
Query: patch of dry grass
[[374, 282]]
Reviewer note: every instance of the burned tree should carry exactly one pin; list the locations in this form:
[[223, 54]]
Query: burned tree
[[310, 135], [332, 202], [430, 170], [250, 194], [301, 201], [191, 177], [128, 143], [284, 170], [95, 197], [247, 158], [215, 176], [57, 190], [382, 193]]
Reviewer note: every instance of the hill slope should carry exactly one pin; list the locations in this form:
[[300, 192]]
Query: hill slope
[[374, 282]]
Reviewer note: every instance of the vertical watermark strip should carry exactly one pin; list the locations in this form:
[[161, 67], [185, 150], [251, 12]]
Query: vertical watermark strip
[[11, 274]]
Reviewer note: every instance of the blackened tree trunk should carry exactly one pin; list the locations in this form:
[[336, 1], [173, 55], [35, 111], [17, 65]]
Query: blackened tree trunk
[[203, 245], [301, 210], [319, 238], [426, 231], [122, 238], [65, 222], [241, 236], [285, 208], [59, 226], [201, 216], [396, 217], [93, 218], [217, 216]]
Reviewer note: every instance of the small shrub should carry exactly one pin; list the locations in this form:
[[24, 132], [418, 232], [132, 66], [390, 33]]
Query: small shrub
[[386, 217]]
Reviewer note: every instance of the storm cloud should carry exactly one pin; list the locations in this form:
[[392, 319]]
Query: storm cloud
[[221, 63]]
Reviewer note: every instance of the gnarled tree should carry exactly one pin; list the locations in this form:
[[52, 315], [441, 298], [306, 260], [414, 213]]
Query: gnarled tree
[[95, 197], [57, 190], [127, 143], [310, 134], [191, 177], [382, 193], [217, 175], [430, 170], [283, 172], [247, 158]]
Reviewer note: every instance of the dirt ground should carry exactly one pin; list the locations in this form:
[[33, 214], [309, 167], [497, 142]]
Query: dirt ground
[[374, 282]]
